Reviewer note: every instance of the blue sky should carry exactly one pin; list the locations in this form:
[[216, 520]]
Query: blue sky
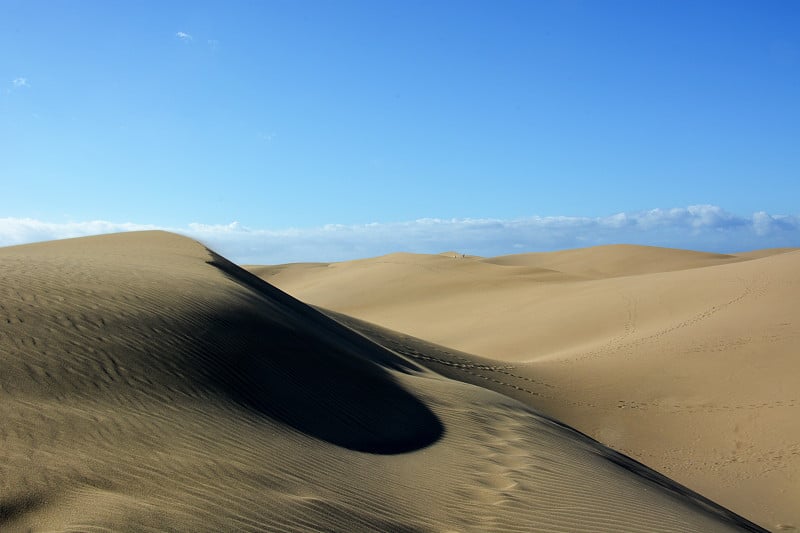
[[348, 127]]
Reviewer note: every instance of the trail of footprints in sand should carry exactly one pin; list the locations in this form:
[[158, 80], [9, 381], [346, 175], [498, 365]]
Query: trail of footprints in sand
[[470, 367], [489, 372], [708, 408], [504, 470], [753, 288], [505, 464], [507, 485], [524, 384], [499, 374]]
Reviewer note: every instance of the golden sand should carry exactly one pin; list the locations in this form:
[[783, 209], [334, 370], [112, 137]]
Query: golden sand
[[686, 361], [148, 384]]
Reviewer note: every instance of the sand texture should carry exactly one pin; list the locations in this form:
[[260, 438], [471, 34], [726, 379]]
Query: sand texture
[[148, 384], [686, 361]]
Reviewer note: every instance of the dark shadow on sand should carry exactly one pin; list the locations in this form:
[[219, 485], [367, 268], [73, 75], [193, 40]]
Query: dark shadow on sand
[[12, 508], [295, 365]]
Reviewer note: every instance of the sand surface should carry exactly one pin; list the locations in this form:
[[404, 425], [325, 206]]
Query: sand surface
[[148, 384], [686, 361]]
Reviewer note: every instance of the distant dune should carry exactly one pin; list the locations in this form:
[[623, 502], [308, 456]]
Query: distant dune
[[686, 361], [615, 260], [149, 384]]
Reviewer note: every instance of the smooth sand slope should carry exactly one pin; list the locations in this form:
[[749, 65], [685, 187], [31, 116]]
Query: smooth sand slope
[[147, 384], [684, 360]]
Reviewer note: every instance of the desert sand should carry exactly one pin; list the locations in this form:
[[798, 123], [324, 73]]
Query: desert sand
[[148, 384], [685, 361]]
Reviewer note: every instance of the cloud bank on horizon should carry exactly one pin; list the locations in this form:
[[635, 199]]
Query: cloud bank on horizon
[[699, 227]]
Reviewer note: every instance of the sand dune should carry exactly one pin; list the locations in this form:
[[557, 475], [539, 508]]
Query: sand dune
[[684, 360], [148, 384], [615, 260]]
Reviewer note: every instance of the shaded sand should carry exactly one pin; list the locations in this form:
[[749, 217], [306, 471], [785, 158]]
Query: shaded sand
[[148, 384], [684, 360]]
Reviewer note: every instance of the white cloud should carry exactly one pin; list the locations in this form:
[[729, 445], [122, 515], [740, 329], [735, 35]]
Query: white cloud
[[265, 137], [25, 230], [703, 227], [20, 82], [183, 36]]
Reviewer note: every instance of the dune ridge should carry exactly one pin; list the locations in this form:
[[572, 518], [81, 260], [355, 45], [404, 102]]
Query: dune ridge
[[683, 360], [149, 384]]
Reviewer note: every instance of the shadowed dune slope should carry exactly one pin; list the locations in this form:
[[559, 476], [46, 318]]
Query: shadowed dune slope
[[685, 361], [149, 384]]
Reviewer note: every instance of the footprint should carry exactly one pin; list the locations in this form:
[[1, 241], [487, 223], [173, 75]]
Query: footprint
[[497, 481]]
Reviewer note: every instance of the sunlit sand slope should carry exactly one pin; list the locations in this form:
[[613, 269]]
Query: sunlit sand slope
[[148, 384], [684, 360]]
